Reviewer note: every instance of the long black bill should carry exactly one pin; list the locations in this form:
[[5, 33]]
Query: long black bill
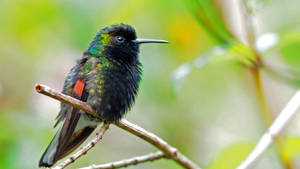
[[139, 41]]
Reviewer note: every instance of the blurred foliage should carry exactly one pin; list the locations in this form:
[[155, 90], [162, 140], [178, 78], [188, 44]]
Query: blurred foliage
[[291, 149], [231, 156], [213, 107], [209, 16], [290, 54], [282, 51], [254, 5], [290, 48]]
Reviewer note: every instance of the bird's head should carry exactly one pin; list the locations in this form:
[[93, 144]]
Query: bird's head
[[118, 42]]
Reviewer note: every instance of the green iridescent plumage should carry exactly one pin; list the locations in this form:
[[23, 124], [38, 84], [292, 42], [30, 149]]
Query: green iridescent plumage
[[97, 45], [89, 66]]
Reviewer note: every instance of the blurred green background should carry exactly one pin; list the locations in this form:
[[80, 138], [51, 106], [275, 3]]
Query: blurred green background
[[208, 108]]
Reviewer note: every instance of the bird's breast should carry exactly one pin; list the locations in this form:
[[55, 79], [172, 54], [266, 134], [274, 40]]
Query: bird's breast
[[113, 90]]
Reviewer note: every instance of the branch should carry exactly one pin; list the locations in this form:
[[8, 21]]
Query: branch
[[127, 162], [276, 127], [66, 99], [167, 149], [85, 149]]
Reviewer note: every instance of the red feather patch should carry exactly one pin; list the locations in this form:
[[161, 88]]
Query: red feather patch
[[78, 89]]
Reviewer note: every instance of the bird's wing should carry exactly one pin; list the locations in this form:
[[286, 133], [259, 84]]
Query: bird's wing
[[75, 128], [68, 87]]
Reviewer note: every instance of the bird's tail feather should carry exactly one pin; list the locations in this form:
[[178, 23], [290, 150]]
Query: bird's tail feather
[[71, 134]]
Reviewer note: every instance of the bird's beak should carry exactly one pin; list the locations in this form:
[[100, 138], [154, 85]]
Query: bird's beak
[[139, 41]]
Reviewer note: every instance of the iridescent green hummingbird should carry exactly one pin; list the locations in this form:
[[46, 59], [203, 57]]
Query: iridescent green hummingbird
[[107, 77]]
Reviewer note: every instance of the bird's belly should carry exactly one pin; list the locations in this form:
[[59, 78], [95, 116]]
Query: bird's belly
[[111, 96]]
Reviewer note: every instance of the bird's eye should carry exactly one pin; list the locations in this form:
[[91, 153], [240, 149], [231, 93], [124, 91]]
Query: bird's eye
[[120, 39]]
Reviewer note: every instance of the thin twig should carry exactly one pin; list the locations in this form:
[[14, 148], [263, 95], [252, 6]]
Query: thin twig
[[84, 149], [170, 151], [128, 162], [276, 127], [134, 129], [65, 99]]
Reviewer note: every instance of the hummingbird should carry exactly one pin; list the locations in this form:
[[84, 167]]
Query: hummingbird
[[107, 77]]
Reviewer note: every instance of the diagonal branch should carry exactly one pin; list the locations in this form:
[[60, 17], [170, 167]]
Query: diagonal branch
[[276, 127], [134, 129], [127, 162], [169, 151], [45, 90], [84, 149]]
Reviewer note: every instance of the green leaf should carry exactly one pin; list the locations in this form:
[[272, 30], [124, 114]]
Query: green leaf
[[290, 53], [231, 156], [209, 16]]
